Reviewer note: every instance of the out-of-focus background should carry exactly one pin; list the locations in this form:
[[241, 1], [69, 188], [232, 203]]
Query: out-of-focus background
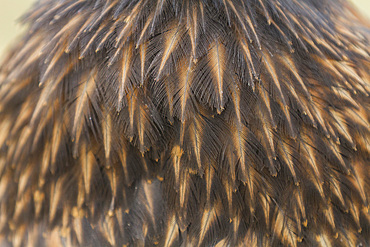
[[11, 10]]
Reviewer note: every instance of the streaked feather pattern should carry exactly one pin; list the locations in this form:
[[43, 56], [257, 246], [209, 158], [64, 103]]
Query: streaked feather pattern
[[193, 123]]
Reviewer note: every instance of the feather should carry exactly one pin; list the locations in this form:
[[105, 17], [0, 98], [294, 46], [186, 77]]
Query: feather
[[88, 165], [172, 233], [158, 10], [172, 39], [91, 41], [267, 16], [105, 37], [176, 154], [86, 90], [208, 220], [184, 98], [271, 69], [287, 157], [126, 62], [55, 198], [107, 135], [192, 26], [217, 63], [239, 139], [49, 90], [143, 51]]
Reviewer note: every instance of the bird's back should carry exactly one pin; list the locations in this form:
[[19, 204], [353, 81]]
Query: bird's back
[[192, 122]]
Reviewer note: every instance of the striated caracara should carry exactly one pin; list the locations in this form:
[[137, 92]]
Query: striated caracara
[[186, 123]]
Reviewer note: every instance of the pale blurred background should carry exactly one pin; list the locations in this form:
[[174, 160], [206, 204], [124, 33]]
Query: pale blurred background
[[11, 10]]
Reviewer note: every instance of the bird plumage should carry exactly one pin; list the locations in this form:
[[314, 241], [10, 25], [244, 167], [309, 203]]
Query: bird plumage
[[194, 123]]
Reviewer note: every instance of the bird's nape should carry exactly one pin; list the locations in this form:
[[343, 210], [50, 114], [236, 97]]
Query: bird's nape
[[186, 123]]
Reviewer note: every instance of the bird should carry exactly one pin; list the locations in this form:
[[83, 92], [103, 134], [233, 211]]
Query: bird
[[186, 123]]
